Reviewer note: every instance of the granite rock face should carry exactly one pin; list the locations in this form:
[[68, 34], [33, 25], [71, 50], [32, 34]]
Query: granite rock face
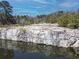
[[49, 34]]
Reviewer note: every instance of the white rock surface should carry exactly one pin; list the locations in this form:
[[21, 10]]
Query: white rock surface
[[49, 34]]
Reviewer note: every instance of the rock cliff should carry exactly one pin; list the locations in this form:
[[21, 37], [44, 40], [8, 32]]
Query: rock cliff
[[49, 34]]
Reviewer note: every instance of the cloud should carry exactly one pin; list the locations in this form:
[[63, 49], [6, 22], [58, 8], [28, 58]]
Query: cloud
[[69, 4], [18, 0], [22, 10], [41, 1], [1, 0], [47, 2], [38, 1]]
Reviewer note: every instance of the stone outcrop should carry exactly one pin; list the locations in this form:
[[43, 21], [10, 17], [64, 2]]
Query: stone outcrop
[[49, 34]]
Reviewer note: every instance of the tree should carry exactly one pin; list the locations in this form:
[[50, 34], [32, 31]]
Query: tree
[[6, 12], [63, 20]]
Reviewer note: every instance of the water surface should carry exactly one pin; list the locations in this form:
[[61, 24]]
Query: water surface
[[21, 50]]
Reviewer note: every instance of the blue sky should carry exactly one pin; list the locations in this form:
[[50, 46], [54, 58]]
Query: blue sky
[[37, 7]]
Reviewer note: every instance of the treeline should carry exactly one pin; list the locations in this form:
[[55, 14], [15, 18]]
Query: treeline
[[24, 20], [65, 19]]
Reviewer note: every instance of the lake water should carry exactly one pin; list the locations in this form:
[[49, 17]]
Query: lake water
[[21, 50]]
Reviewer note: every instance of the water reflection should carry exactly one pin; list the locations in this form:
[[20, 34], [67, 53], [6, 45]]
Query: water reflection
[[6, 54], [8, 48]]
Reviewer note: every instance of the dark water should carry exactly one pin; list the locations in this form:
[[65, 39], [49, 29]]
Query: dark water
[[21, 50]]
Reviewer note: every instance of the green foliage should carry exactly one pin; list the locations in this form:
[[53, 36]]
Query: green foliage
[[74, 23], [63, 20], [69, 20]]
